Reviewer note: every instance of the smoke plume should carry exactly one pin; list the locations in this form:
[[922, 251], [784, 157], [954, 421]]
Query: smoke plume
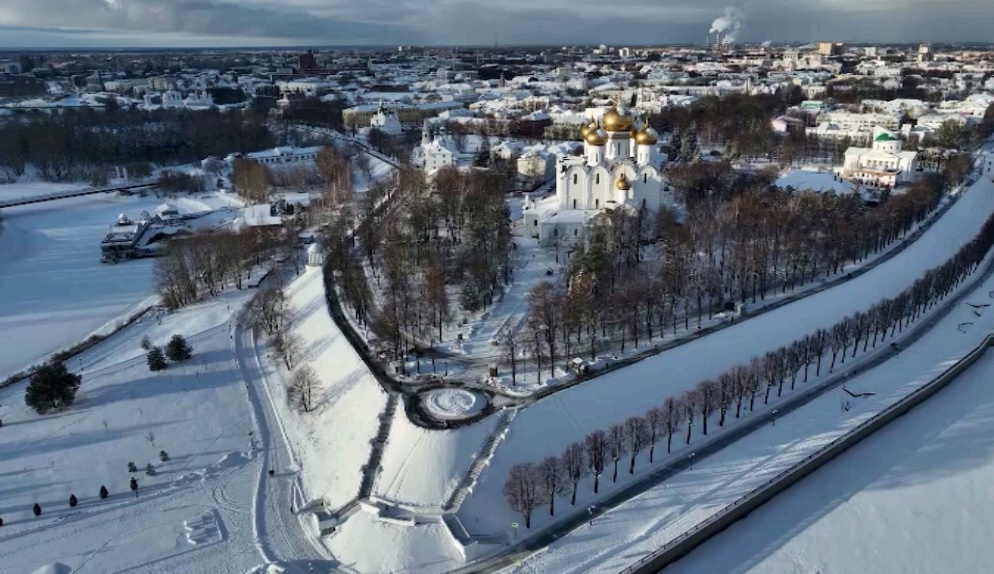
[[729, 24]]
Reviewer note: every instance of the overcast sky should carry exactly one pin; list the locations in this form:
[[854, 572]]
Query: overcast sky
[[167, 23]]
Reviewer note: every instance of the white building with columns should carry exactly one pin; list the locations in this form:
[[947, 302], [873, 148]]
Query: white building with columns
[[884, 164], [620, 167]]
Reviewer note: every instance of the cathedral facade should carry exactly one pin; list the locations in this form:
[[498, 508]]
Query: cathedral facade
[[619, 168]]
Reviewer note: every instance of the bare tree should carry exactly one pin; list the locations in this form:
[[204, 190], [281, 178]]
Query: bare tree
[[574, 466], [673, 417], [288, 346], [521, 490], [689, 401], [615, 446], [654, 423], [553, 481], [303, 383], [596, 446], [707, 393], [636, 435]]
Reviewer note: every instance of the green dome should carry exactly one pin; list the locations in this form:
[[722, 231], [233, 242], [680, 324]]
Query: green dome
[[885, 138]]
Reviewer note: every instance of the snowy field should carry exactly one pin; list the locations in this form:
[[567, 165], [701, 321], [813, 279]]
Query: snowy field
[[643, 524], [915, 497], [332, 442], [546, 427], [194, 515]]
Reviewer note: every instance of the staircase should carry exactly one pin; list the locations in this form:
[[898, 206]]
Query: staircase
[[372, 466]]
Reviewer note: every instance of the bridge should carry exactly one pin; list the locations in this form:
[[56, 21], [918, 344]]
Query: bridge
[[73, 193]]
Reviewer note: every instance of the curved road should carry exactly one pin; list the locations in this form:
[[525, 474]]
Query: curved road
[[279, 534]]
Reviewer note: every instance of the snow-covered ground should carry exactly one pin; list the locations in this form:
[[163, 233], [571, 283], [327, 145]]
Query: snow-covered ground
[[915, 497], [194, 515], [332, 442], [643, 524], [546, 427]]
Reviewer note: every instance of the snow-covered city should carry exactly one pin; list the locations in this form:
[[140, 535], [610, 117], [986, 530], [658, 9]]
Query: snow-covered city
[[701, 307]]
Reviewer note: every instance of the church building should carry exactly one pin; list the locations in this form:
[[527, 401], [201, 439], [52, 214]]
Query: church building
[[884, 164], [619, 168]]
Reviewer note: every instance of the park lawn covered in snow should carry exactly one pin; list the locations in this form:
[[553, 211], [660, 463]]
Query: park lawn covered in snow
[[546, 427], [193, 515], [332, 442], [421, 467], [645, 523]]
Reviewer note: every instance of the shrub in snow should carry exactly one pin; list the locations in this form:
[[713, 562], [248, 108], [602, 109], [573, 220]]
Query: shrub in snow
[[36, 510], [178, 349], [103, 493], [155, 359], [163, 456], [52, 387], [146, 343], [132, 467], [149, 469], [73, 501]]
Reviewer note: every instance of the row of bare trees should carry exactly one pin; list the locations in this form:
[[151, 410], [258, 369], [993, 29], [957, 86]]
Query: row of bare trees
[[530, 485], [205, 263]]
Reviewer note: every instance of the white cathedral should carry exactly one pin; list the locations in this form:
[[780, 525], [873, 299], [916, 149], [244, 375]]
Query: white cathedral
[[619, 168]]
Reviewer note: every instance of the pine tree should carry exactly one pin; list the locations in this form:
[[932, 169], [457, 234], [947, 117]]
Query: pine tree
[[163, 456], [146, 343], [36, 510], [73, 501], [52, 387], [103, 493], [149, 469], [178, 349], [132, 467], [155, 359]]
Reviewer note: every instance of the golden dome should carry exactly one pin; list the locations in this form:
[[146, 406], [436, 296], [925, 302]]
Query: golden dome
[[646, 136], [596, 137], [621, 184], [587, 128], [615, 121]]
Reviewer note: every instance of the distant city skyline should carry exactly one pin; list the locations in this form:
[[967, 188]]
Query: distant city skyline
[[34, 24]]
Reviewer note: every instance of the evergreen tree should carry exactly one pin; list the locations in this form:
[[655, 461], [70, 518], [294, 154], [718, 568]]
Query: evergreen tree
[[163, 456], [36, 509], [73, 501], [103, 493], [149, 469], [156, 360], [178, 349], [132, 467], [52, 387]]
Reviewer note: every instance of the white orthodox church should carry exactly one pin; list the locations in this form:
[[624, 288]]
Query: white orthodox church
[[619, 168], [884, 164], [386, 121]]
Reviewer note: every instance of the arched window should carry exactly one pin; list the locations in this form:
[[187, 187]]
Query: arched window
[[575, 179], [574, 204], [645, 178], [575, 232], [597, 179], [597, 204]]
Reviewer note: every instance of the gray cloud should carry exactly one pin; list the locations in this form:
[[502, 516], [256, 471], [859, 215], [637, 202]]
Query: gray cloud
[[355, 22]]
